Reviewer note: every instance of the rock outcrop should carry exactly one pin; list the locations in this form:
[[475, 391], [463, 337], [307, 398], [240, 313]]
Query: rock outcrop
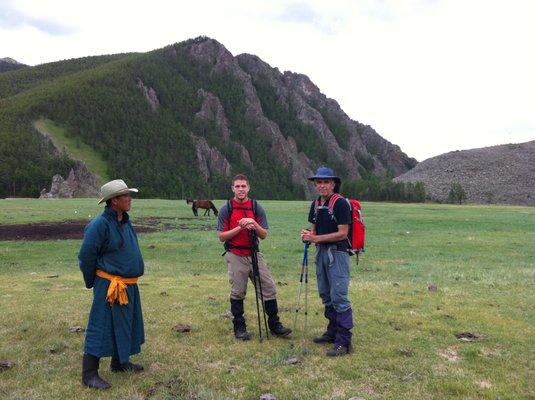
[[79, 183], [209, 159], [150, 95], [498, 175], [212, 112]]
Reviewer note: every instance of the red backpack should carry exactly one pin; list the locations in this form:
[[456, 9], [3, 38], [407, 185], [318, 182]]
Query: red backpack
[[357, 229]]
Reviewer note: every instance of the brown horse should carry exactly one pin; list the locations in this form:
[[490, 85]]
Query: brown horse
[[207, 205]]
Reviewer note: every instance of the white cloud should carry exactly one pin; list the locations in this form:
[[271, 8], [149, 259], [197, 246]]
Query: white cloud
[[431, 76]]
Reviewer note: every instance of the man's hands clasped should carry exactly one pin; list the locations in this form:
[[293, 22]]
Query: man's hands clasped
[[307, 236], [247, 223]]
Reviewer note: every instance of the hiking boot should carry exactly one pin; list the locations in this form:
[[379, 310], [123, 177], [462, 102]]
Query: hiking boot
[[279, 330], [90, 377], [238, 321], [339, 350], [275, 326], [241, 334], [325, 338], [128, 366]]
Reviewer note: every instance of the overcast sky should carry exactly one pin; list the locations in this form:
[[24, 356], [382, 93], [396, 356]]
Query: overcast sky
[[431, 76]]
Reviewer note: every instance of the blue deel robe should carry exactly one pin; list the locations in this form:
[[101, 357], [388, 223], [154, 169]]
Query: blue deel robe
[[112, 246]]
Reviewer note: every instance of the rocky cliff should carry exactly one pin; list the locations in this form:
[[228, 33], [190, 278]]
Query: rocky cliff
[[349, 146]]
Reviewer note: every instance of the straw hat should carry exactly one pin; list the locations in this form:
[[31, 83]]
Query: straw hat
[[113, 189]]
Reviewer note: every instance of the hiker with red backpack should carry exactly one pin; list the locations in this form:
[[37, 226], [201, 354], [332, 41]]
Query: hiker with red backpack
[[241, 221], [331, 218]]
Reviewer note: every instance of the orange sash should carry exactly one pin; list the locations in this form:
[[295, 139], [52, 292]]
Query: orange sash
[[117, 288]]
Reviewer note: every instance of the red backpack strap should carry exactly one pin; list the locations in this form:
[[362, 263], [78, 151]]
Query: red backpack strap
[[333, 200]]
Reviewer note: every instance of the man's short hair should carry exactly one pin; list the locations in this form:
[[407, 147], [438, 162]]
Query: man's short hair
[[240, 177]]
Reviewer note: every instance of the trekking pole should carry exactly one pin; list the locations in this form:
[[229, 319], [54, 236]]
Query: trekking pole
[[306, 297], [258, 289], [299, 289], [257, 306], [305, 257], [304, 275]]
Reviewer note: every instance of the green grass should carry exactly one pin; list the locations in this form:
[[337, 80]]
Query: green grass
[[76, 149], [481, 258]]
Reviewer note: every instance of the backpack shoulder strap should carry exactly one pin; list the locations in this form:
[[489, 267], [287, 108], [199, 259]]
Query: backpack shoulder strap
[[333, 200], [229, 208], [255, 207]]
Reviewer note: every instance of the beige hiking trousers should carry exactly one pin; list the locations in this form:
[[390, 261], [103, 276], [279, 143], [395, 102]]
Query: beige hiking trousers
[[240, 270]]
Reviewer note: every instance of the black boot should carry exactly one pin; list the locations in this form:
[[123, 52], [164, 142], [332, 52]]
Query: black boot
[[275, 326], [330, 334], [90, 376], [240, 329], [116, 366], [339, 350]]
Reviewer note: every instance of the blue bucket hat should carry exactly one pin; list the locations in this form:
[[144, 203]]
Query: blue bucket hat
[[325, 173]]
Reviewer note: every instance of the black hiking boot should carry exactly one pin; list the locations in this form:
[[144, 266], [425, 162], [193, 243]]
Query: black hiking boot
[[330, 333], [116, 366], [275, 326], [240, 328], [339, 350], [241, 334], [279, 330], [90, 377], [325, 338]]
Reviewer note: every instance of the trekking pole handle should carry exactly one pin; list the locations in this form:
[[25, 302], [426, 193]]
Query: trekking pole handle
[[306, 241]]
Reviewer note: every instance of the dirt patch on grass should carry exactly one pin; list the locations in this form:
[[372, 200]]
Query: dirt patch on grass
[[74, 229]]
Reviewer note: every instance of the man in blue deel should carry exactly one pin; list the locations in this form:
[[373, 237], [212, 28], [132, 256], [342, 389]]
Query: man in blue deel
[[329, 232], [111, 262]]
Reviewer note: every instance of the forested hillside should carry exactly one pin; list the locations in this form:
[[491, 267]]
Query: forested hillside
[[179, 121]]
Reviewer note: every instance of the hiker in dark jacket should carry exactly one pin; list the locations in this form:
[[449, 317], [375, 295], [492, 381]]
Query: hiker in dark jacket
[[329, 232], [233, 228], [111, 262]]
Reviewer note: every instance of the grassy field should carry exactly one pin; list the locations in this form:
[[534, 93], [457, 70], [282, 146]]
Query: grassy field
[[481, 259]]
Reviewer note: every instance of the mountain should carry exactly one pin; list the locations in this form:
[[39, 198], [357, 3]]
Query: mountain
[[8, 64], [502, 174], [180, 121]]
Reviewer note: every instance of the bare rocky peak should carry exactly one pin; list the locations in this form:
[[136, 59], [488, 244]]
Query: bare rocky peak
[[9, 64], [502, 174], [9, 60]]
